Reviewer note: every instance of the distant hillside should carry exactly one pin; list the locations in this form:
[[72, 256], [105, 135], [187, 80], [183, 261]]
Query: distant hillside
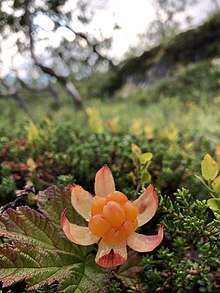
[[188, 47]]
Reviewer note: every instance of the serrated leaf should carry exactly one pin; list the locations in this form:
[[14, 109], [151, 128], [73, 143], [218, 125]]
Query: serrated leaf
[[216, 184], [41, 254], [90, 281], [26, 225], [54, 200], [209, 168], [214, 204]]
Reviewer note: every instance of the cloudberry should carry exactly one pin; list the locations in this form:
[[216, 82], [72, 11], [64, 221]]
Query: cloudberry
[[114, 218]]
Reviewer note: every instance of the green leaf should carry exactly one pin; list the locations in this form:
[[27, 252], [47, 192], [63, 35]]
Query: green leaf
[[145, 158], [135, 150], [54, 200], [41, 254], [145, 176], [214, 204], [209, 168], [216, 184]]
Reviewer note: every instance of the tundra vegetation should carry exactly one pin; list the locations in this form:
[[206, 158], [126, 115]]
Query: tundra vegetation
[[164, 132]]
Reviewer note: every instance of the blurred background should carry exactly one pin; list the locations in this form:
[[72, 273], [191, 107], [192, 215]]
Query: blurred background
[[82, 80], [51, 50]]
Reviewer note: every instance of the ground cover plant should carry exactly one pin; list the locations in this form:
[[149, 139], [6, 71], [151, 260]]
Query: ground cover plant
[[166, 135]]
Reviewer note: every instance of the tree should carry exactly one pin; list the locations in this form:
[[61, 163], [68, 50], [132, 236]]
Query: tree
[[76, 50]]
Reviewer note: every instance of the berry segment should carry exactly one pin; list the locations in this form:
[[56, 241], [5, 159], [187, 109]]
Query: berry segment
[[114, 218], [97, 205], [131, 210], [99, 226], [114, 214], [117, 196]]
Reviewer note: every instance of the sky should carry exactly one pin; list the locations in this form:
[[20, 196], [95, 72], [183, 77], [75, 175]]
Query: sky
[[132, 16]]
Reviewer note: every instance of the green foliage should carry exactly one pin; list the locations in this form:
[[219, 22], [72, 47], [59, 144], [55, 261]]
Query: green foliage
[[65, 180], [189, 84], [210, 169], [78, 153], [176, 120], [214, 204], [40, 253], [189, 259], [216, 184], [114, 287], [33, 133], [7, 184], [94, 120], [141, 161]]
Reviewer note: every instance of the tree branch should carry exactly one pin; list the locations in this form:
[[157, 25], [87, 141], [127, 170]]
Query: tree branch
[[94, 46], [67, 85]]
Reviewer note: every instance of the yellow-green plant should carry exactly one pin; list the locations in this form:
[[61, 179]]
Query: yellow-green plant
[[210, 173], [94, 120], [141, 162], [33, 133]]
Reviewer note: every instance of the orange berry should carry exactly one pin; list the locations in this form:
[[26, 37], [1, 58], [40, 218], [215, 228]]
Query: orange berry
[[117, 196], [131, 210], [126, 229], [97, 205], [98, 225], [112, 237], [114, 214]]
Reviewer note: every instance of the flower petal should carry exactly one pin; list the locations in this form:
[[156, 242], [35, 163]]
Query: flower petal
[[147, 205], [110, 257], [104, 182], [81, 201], [142, 243], [77, 234]]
